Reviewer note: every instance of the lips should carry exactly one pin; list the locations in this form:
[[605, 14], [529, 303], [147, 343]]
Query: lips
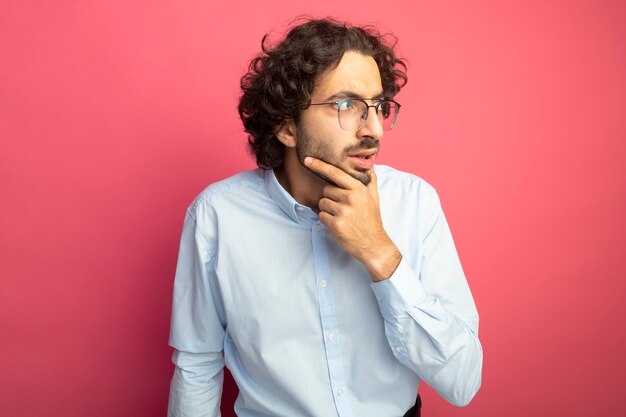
[[364, 159], [366, 154]]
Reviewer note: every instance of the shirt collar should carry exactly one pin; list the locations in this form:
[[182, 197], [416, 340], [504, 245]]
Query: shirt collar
[[296, 211]]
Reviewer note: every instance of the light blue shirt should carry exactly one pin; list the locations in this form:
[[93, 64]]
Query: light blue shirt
[[263, 287]]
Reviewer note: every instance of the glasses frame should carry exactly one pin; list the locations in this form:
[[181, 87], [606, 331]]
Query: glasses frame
[[365, 115]]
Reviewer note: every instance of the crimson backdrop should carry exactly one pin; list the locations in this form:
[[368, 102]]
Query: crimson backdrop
[[115, 114]]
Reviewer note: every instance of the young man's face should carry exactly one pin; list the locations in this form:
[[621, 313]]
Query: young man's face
[[318, 132]]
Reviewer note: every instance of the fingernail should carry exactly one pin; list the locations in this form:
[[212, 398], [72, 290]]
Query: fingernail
[[308, 160]]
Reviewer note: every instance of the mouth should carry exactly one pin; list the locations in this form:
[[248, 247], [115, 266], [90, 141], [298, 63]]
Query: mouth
[[364, 160], [366, 154]]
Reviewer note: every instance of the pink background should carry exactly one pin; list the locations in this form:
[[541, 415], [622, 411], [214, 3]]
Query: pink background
[[115, 114]]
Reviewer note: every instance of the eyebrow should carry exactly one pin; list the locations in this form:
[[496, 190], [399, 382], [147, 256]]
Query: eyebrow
[[351, 94]]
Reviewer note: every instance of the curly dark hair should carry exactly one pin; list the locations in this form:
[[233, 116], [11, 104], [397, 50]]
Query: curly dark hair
[[280, 80]]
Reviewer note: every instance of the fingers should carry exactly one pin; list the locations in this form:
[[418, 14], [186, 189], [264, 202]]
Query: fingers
[[373, 185], [335, 193], [325, 218], [334, 223], [374, 180], [331, 173], [329, 206]]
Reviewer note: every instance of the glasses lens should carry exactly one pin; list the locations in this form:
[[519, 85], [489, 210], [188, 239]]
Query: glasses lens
[[352, 114], [388, 114]]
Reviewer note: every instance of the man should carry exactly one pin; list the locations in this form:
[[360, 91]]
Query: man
[[329, 286]]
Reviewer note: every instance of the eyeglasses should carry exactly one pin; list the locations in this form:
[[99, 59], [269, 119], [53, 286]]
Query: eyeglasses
[[353, 112]]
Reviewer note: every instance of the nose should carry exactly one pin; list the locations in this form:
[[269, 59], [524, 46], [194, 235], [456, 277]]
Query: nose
[[372, 127]]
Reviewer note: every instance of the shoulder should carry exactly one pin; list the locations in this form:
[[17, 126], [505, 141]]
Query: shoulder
[[404, 185], [228, 191], [409, 205]]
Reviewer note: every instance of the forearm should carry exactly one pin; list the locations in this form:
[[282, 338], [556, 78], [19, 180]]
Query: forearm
[[441, 350], [196, 387], [439, 345]]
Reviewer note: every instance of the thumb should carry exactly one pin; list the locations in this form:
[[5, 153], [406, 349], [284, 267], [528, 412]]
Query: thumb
[[373, 185]]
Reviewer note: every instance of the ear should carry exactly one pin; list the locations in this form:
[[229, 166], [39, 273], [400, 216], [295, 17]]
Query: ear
[[286, 133]]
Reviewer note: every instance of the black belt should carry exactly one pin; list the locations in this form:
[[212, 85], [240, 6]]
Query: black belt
[[415, 410]]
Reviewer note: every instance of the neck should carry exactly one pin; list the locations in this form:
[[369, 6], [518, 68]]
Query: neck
[[304, 186]]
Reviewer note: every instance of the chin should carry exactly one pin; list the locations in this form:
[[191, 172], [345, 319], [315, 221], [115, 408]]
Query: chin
[[364, 176]]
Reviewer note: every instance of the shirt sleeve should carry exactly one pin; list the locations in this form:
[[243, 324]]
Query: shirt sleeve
[[196, 387], [197, 326], [430, 317]]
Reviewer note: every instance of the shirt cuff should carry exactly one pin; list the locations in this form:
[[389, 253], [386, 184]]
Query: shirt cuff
[[401, 291]]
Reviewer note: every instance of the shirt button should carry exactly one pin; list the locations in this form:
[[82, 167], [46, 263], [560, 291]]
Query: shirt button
[[323, 283], [398, 348], [331, 337], [340, 392], [317, 227]]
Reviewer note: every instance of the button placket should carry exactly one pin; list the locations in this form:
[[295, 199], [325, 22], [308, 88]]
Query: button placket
[[328, 319]]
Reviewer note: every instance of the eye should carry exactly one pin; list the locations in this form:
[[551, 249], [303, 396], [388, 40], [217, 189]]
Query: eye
[[385, 109], [347, 104]]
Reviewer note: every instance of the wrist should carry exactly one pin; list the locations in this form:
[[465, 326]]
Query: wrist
[[382, 266]]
